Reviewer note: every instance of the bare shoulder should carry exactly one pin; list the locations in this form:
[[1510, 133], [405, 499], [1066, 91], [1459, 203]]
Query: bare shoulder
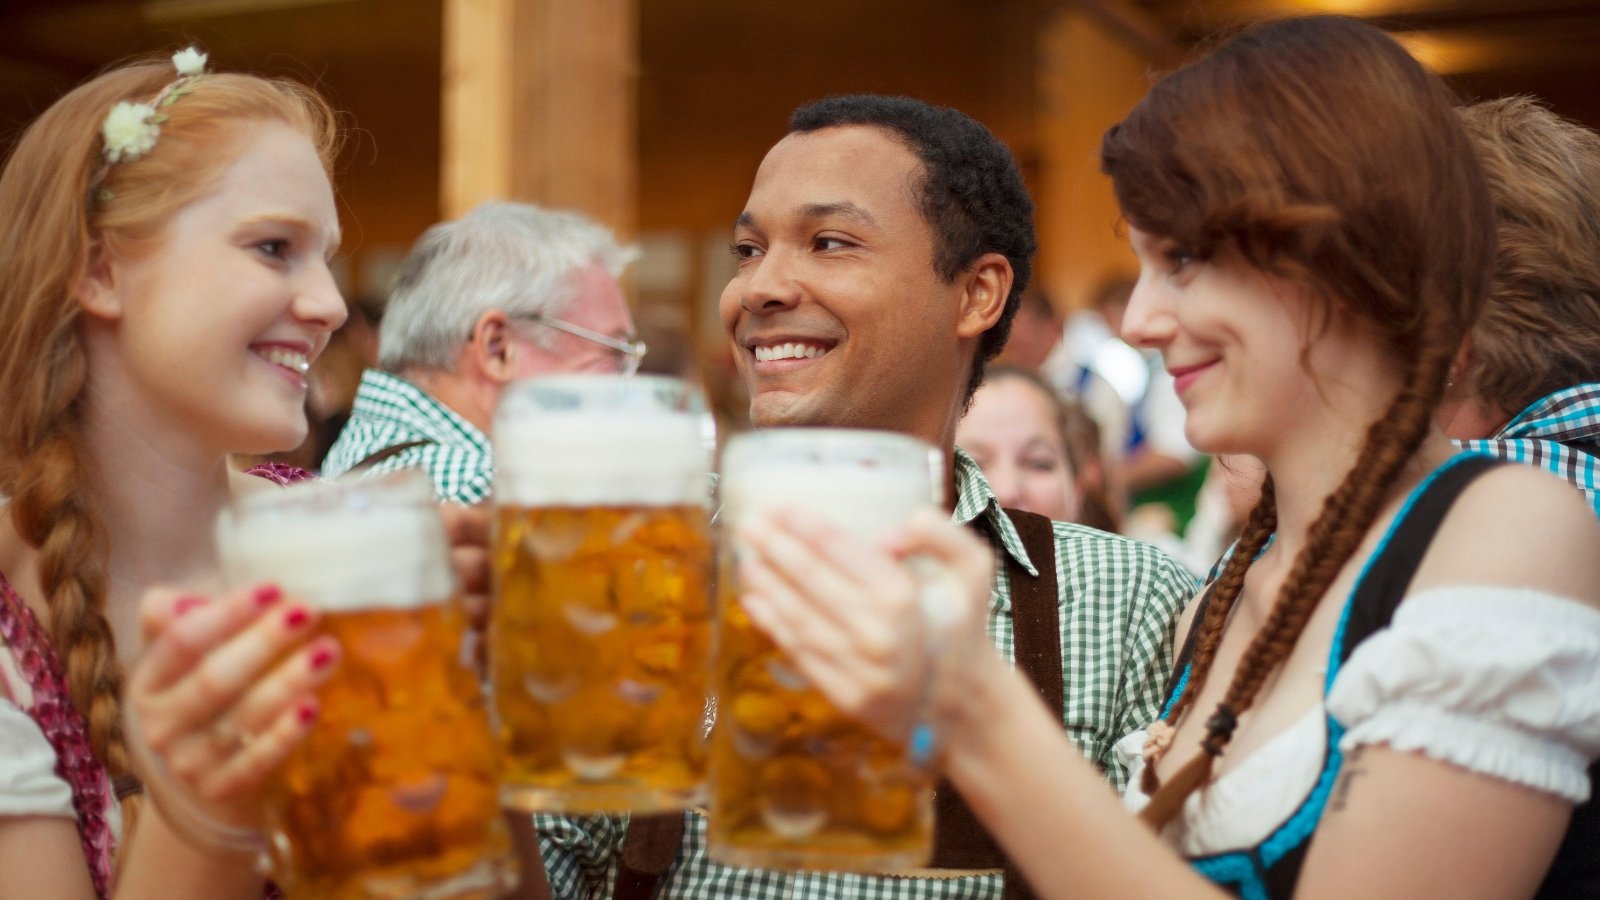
[[1517, 526]]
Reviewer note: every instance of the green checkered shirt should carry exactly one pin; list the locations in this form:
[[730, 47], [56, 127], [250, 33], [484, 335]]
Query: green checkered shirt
[[1119, 601], [390, 411]]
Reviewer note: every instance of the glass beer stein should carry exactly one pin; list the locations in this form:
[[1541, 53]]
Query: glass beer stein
[[796, 784], [599, 639], [393, 794]]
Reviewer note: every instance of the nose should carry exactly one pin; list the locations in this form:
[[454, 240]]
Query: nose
[[319, 303], [770, 285], [1004, 480], [1148, 320]]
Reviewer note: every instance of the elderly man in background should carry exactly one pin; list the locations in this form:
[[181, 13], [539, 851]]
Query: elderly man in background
[[508, 291], [1526, 386]]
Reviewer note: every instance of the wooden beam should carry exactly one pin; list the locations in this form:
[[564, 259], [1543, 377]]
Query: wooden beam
[[1140, 30], [540, 103]]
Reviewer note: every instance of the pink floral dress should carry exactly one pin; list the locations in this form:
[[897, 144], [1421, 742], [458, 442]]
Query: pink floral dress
[[43, 695]]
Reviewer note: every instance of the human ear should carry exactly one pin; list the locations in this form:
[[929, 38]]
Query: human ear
[[97, 292], [983, 300], [490, 345]]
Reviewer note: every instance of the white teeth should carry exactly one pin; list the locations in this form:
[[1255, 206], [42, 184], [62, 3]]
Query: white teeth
[[788, 351], [289, 359]]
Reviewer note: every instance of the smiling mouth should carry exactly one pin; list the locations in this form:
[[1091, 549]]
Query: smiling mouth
[[293, 360], [791, 350]]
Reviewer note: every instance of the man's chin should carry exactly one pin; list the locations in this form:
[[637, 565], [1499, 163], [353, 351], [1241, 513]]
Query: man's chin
[[786, 411]]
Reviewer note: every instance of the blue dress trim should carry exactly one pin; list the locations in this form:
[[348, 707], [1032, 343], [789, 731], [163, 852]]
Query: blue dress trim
[[1246, 869]]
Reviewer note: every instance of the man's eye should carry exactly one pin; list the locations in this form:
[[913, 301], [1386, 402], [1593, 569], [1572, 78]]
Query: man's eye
[[741, 250], [832, 243], [1040, 465], [277, 249]]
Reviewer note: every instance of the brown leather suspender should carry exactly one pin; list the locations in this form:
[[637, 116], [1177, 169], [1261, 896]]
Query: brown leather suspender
[[960, 841]]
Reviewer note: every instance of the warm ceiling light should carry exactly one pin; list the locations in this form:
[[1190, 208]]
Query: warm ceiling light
[[1449, 55]]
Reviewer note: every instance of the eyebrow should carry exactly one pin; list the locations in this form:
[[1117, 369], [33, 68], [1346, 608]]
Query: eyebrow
[[289, 220], [842, 208]]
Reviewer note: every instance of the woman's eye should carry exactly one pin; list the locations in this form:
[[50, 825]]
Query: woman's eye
[[1040, 465], [742, 251], [277, 249]]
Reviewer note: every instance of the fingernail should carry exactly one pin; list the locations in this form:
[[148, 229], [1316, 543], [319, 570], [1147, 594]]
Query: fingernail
[[322, 657], [307, 713], [266, 595], [297, 617], [186, 603]]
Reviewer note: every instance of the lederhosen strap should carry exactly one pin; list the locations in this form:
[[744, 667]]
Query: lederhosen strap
[[372, 459], [960, 841]]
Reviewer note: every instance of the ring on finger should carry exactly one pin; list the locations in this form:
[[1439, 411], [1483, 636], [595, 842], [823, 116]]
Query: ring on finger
[[227, 737]]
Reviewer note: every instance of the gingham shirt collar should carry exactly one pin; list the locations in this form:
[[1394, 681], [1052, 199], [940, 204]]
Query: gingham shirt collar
[[1559, 433], [390, 411], [975, 498]]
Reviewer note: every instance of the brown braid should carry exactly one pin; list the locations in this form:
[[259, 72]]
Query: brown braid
[[1346, 516], [1224, 592]]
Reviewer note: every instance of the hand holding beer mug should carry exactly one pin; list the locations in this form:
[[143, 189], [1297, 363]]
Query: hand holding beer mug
[[392, 794], [796, 783], [599, 637]]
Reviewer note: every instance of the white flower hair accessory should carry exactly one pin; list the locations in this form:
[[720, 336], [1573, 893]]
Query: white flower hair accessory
[[189, 62], [130, 129]]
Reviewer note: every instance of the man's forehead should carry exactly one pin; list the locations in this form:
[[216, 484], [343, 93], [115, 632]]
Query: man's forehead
[[849, 171]]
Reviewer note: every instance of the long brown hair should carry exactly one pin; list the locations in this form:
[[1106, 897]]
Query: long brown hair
[[64, 208], [1315, 149]]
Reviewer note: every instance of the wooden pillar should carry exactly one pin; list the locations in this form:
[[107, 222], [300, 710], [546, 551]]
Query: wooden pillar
[[540, 105], [1089, 77]]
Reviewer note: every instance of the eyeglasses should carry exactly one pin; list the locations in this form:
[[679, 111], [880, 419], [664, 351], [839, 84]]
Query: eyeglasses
[[631, 352]]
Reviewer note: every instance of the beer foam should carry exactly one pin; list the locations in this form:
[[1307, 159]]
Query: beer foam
[[341, 560], [585, 458], [867, 502]]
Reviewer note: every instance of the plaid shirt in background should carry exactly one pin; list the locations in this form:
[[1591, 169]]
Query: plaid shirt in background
[[389, 411], [1119, 602], [1560, 434]]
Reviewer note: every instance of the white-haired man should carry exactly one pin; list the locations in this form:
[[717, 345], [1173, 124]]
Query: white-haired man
[[507, 291]]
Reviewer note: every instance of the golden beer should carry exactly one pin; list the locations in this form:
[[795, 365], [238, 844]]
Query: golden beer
[[599, 640], [795, 783], [393, 794]]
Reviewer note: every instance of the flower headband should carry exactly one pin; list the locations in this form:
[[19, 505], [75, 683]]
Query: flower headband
[[131, 129]]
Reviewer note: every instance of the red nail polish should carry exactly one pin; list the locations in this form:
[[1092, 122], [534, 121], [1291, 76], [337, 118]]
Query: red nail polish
[[296, 617], [186, 604], [322, 657], [266, 595], [307, 713]]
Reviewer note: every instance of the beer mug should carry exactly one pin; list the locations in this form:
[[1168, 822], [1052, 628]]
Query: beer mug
[[599, 638], [393, 793], [795, 783]]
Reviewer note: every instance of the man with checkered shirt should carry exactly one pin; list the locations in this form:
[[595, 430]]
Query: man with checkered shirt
[[880, 259]]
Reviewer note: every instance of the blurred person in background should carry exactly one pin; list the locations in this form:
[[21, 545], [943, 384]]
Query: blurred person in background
[[1526, 386], [508, 291], [1038, 452]]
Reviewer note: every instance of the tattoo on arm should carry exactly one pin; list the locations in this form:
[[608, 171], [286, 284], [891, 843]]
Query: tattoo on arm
[[1347, 777]]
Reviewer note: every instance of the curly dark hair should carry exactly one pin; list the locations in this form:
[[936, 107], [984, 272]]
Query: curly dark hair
[[971, 192]]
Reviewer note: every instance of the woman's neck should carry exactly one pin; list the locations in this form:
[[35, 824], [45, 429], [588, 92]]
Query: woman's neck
[[158, 498]]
